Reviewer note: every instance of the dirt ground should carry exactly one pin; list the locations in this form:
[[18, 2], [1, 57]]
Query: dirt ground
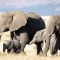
[[30, 51]]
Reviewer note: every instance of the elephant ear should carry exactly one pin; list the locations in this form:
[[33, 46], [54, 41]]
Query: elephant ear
[[19, 20]]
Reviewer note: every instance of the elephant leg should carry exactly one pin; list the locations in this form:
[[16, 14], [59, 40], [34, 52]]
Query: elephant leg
[[18, 51], [8, 50], [12, 50], [39, 47], [23, 37], [12, 35]]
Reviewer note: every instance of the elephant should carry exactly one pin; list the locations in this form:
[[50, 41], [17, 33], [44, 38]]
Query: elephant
[[22, 26], [53, 26], [8, 19], [26, 33], [39, 36], [12, 46]]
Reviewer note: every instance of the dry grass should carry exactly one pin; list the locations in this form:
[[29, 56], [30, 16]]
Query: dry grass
[[29, 49]]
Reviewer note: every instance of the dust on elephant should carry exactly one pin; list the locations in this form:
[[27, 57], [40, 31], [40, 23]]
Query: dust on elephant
[[12, 46], [52, 27]]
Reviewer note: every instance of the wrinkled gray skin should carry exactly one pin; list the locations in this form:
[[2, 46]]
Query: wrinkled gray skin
[[12, 46], [52, 27], [54, 43], [22, 26]]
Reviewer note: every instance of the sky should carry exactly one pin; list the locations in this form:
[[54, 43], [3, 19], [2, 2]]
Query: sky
[[41, 7]]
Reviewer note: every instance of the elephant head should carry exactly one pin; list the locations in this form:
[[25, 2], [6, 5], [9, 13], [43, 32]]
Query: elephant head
[[53, 24], [12, 21]]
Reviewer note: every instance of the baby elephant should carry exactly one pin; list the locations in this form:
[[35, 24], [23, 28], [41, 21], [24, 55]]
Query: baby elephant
[[39, 36], [54, 40], [12, 46]]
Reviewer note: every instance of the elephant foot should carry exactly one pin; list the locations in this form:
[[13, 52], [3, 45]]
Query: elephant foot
[[54, 55], [41, 53], [45, 54], [23, 53]]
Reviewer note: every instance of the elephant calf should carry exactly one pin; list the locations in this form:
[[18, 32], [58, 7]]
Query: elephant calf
[[12, 46], [54, 40], [39, 36]]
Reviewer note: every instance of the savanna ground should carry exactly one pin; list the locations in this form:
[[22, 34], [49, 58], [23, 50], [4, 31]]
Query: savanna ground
[[29, 49]]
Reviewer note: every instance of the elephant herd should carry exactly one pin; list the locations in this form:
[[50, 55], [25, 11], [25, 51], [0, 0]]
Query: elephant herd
[[28, 29]]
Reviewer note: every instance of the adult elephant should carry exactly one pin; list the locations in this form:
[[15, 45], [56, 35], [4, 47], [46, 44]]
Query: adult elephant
[[26, 33], [52, 27], [22, 26]]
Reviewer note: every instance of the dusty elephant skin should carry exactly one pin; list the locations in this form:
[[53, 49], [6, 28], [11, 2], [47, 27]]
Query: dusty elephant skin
[[22, 26], [52, 27], [11, 46]]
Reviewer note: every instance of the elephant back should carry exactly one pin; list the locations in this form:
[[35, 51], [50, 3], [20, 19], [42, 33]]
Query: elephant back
[[34, 15], [19, 20], [34, 23]]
